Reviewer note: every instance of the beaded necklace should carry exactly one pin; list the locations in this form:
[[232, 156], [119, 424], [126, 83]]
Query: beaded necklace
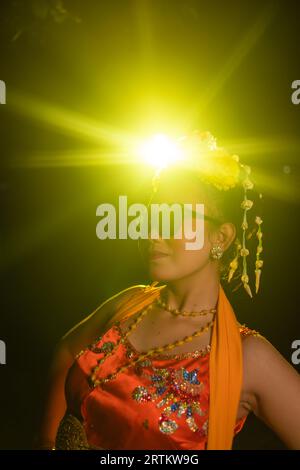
[[177, 312], [111, 347]]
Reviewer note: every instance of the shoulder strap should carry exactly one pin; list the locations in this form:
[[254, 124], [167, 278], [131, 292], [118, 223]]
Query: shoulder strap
[[246, 331]]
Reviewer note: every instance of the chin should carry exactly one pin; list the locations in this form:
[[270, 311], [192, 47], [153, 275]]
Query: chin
[[163, 275], [159, 274]]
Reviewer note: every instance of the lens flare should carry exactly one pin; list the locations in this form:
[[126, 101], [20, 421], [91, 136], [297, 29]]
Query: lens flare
[[160, 151]]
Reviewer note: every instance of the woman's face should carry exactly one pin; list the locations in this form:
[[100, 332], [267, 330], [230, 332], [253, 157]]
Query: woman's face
[[169, 259]]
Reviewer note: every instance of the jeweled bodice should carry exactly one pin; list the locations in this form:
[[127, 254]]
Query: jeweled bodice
[[161, 402]]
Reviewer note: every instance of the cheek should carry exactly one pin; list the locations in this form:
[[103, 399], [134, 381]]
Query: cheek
[[181, 261], [189, 259], [179, 246]]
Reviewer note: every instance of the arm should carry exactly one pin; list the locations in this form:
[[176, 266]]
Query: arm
[[54, 403], [69, 346], [275, 385]]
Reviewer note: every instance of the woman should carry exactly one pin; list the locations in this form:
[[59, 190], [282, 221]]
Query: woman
[[169, 367]]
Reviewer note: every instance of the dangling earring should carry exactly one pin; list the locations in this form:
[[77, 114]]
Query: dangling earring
[[216, 252]]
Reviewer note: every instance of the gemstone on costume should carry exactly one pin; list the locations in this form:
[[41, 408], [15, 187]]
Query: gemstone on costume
[[204, 429], [179, 392], [93, 346], [191, 423], [167, 426], [129, 354], [140, 394], [107, 346]]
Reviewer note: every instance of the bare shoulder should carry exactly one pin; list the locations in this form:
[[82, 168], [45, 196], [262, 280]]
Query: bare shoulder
[[265, 367], [274, 385], [257, 348], [95, 323], [259, 353]]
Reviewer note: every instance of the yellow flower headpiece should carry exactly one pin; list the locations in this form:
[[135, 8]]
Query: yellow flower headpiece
[[216, 166]]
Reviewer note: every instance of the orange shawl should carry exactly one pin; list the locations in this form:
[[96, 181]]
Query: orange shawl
[[225, 366]]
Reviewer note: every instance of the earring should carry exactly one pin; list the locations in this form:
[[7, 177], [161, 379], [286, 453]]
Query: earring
[[216, 252]]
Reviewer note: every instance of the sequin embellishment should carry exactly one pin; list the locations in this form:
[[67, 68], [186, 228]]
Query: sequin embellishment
[[176, 391]]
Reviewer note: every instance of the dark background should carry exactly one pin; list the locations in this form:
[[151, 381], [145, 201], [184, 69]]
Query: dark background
[[136, 67]]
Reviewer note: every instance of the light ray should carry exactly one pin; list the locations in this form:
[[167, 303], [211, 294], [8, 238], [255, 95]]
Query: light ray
[[73, 158], [268, 145], [279, 186], [68, 122], [243, 48]]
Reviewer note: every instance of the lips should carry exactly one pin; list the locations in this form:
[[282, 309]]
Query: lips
[[157, 254]]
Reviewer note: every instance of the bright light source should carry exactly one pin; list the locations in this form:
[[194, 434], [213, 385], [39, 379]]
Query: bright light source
[[160, 151]]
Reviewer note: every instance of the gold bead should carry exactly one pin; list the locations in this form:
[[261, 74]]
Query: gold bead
[[97, 382]]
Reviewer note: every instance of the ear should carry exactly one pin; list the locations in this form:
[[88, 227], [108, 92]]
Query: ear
[[225, 235]]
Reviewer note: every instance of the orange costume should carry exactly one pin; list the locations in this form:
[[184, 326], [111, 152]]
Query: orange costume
[[172, 401]]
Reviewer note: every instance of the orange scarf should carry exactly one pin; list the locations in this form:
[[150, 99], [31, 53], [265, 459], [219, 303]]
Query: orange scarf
[[225, 366]]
